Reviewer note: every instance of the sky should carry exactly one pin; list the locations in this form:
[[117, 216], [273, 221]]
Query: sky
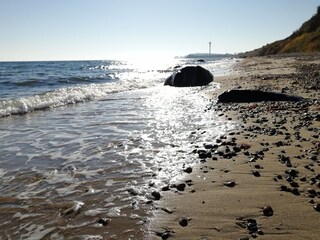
[[108, 29]]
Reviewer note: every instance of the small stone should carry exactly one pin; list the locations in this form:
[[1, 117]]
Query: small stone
[[188, 170], [181, 187], [260, 232], [293, 173], [284, 188], [103, 221], [165, 188], [312, 193], [317, 207], [256, 173], [229, 184], [267, 211], [294, 184], [183, 222], [252, 225], [156, 195], [164, 235], [295, 191], [303, 179]]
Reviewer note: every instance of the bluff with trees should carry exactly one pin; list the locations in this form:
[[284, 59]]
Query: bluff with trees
[[305, 40]]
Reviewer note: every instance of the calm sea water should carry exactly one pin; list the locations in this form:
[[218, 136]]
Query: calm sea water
[[86, 142]]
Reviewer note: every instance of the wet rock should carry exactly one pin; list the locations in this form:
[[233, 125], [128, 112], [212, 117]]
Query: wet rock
[[165, 188], [164, 235], [133, 191], [188, 170], [267, 211], [103, 221], [317, 207], [204, 154], [190, 76], [167, 210], [156, 195], [74, 210], [181, 187]]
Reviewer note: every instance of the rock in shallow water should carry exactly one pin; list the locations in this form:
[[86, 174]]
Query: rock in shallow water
[[190, 76]]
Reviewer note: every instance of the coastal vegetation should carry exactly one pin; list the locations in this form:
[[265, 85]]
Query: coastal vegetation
[[305, 40]]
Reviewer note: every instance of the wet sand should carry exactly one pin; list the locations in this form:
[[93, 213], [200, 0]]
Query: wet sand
[[262, 180]]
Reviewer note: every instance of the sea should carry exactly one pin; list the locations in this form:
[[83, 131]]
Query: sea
[[83, 144]]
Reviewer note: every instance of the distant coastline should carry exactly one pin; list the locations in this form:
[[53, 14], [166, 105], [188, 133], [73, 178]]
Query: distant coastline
[[207, 55]]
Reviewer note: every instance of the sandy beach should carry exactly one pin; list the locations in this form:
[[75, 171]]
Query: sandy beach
[[262, 179]]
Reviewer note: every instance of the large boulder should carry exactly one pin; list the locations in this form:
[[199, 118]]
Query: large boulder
[[239, 96], [190, 76]]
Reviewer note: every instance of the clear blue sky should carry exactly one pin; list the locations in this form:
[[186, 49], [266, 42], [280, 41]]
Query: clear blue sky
[[105, 29]]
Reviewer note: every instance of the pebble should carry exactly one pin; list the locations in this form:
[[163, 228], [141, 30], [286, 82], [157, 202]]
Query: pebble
[[317, 207], [156, 195], [267, 211], [252, 225], [229, 184], [181, 187], [256, 173], [188, 170], [164, 235], [183, 222], [103, 221]]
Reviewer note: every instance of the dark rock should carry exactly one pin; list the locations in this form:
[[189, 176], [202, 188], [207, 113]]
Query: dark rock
[[188, 170], [181, 187], [103, 221], [254, 96], [183, 222], [293, 173], [164, 235], [312, 193], [156, 195], [267, 211], [190, 76], [317, 207], [295, 191], [229, 184], [256, 173], [294, 184], [165, 188], [252, 225], [284, 188]]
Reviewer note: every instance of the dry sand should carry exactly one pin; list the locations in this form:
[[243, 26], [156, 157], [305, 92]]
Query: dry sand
[[272, 157]]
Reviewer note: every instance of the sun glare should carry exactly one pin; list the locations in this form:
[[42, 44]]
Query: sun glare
[[148, 60]]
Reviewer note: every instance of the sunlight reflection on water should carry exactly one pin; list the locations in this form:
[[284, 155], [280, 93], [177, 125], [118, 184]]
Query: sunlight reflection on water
[[108, 154]]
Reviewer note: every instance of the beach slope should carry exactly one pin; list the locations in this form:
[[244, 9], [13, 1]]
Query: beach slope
[[263, 178]]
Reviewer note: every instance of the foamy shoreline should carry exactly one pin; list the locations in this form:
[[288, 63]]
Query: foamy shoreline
[[276, 163]]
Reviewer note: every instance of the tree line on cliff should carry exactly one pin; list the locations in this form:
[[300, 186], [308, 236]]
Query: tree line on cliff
[[305, 40]]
